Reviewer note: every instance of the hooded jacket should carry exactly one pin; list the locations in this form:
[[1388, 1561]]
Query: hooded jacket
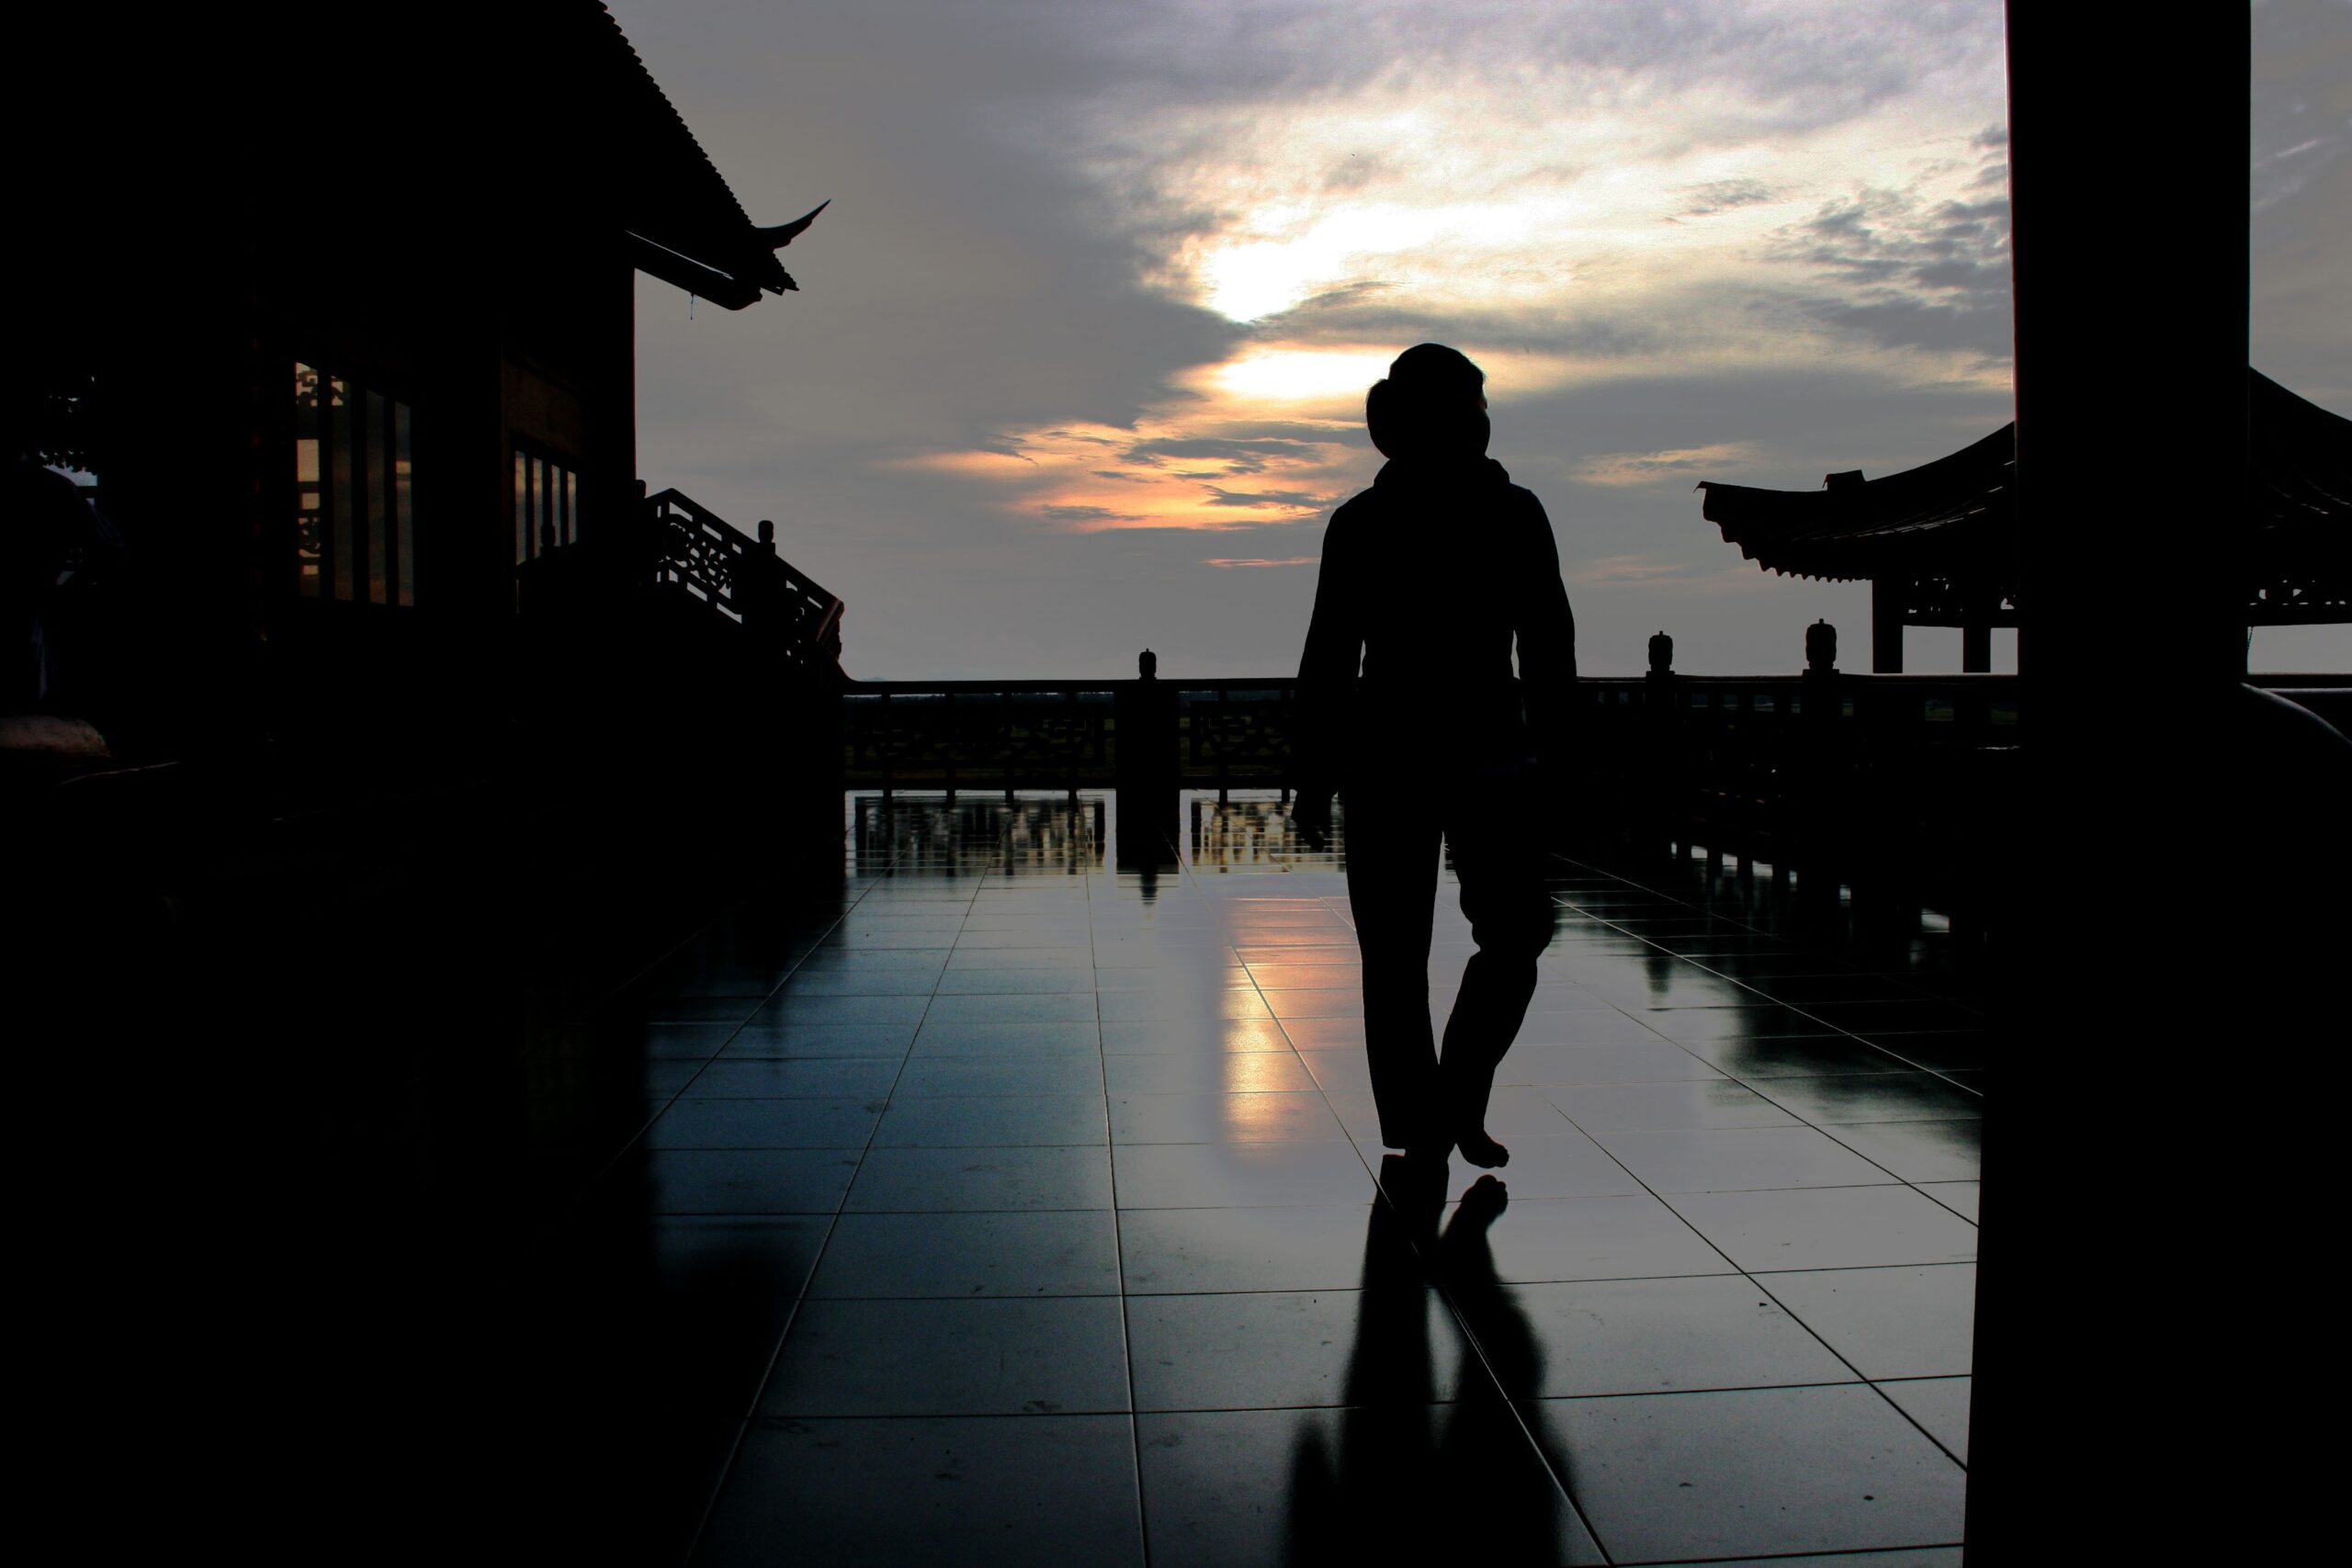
[[1429, 580]]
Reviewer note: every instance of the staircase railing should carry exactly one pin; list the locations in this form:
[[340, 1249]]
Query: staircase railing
[[702, 555]]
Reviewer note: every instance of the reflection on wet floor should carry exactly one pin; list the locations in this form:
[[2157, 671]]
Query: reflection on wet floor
[[1012, 1206]]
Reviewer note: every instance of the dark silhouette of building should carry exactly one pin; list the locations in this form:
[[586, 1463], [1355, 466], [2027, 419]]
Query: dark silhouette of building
[[347, 305]]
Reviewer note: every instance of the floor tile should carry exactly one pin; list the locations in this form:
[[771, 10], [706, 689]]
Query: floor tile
[[1390, 1345], [1938, 1405], [1014, 981], [1871, 1096], [817, 1077], [1226, 1072], [1799, 1056], [1696, 1026], [788, 1009], [1562, 1066], [1241, 1489], [991, 1121], [1303, 1247], [764, 1124], [1566, 1164], [1221, 1118], [1666, 1477], [941, 1037], [1325, 1033], [860, 982], [1170, 1003], [1048, 1253], [1647, 1107], [1230, 1175], [1889, 1323], [728, 1181], [778, 1041], [1634, 1235], [1917, 1151], [1059, 1072], [1013, 1490], [677, 1313], [1608, 1336], [1289, 1005], [1588, 1026], [1829, 1227], [1137, 1037], [1033, 1009], [1959, 1197], [1730, 1159], [1042, 1355], [953, 1180]]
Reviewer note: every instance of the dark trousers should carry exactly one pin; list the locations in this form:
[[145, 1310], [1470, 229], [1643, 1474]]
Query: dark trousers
[[1393, 834]]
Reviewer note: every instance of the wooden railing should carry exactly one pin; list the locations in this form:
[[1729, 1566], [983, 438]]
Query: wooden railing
[[961, 735], [700, 555], [1008, 735], [689, 560], [955, 735]]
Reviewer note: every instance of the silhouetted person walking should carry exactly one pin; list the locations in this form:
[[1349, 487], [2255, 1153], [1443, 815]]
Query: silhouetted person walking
[[1407, 709]]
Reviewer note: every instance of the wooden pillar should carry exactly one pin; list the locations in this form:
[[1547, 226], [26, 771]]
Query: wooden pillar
[[1888, 596], [1976, 647], [2129, 632]]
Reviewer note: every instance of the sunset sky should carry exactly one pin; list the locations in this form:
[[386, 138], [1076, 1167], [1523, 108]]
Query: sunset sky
[[1080, 359]]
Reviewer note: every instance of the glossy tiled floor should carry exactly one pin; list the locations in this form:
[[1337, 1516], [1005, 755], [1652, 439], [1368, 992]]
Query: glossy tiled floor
[[1014, 1208]]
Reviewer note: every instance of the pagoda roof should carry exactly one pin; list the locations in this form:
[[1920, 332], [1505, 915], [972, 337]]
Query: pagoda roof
[[1955, 516], [683, 223], [1923, 520]]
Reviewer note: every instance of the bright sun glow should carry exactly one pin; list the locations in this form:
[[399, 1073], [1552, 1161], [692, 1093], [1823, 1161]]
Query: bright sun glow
[[1562, 220], [1303, 375]]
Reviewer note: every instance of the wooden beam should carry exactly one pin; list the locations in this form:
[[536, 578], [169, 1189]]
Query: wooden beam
[[1889, 603]]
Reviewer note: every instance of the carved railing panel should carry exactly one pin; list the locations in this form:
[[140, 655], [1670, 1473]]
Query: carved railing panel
[[1238, 732], [978, 735], [699, 552], [703, 556]]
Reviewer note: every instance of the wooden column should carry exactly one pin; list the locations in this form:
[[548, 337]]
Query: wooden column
[[2133, 632], [1976, 647], [1887, 598]]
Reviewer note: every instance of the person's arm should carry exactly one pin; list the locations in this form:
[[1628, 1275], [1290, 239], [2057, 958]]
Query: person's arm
[[1327, 679], [1546, 631]]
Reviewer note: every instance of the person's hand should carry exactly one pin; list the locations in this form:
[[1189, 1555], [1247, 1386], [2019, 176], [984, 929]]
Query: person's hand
[[1310, 814]]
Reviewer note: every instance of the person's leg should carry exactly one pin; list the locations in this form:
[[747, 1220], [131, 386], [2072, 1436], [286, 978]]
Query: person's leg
[[1499, 857], [1392, 846]]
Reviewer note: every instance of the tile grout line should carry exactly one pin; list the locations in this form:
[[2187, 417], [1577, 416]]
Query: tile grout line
[[1118, 1239], [759, 1390], [1744, 1273], [1380, 1196]]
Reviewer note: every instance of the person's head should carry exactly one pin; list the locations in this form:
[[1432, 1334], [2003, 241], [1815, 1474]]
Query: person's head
[[1432, 404]]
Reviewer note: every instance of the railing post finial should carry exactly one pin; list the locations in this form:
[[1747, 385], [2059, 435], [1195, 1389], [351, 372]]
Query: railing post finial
[[1821, 649]]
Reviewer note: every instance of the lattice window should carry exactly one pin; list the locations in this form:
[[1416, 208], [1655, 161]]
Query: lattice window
[[355, 517], [546, 505]]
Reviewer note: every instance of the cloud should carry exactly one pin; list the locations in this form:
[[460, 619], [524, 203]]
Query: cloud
[[1253, 560], [1916, 265], [1612, 569], [1087, 514], [1681, 464], [1241, 456], [1722, 196], [1293, 499]]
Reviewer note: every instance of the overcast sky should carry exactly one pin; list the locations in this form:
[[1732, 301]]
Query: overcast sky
[[1077, 366]]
